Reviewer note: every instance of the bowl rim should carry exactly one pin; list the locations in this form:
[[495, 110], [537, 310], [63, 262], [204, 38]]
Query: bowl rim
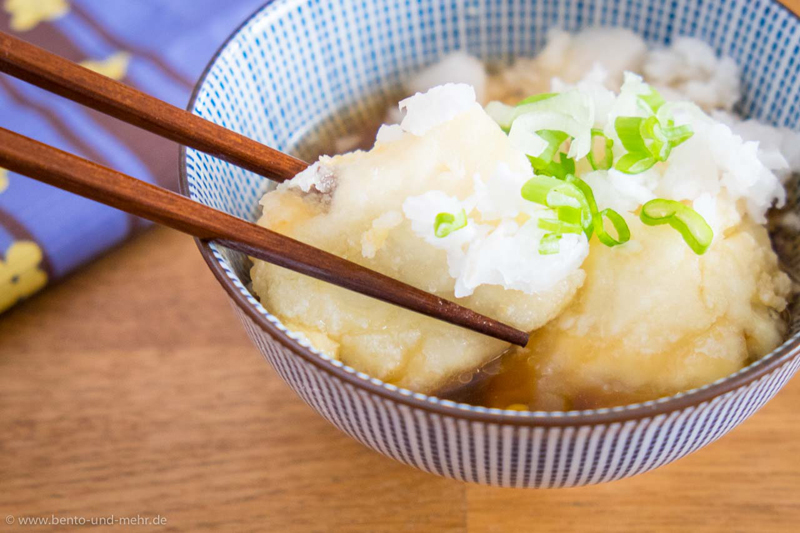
[[779, 357]]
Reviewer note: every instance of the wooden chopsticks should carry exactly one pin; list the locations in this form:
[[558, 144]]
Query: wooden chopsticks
[[65, 78], [85, 178]]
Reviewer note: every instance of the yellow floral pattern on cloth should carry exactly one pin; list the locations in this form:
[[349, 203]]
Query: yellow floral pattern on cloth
[[115, 66], [21, 274], [3, 179], [27, 14]]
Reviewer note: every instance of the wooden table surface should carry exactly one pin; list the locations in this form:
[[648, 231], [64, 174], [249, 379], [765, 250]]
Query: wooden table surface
[[131, 390]]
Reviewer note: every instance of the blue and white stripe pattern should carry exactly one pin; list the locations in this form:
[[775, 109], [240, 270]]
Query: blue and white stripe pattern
[[297, 62]]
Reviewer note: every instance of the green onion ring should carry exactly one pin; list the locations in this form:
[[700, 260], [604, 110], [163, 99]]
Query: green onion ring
[[549, 244], [689, 223], [608, 160], [621, 227], [447, 223], [558, 226]]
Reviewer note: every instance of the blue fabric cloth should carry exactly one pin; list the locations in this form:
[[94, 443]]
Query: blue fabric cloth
[[158, 46]]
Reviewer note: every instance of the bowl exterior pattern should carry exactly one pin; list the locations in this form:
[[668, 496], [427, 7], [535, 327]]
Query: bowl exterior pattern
[[296, 62], [510, 455]]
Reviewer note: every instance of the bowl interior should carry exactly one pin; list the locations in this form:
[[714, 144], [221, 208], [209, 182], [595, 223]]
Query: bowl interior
[[296, 64]]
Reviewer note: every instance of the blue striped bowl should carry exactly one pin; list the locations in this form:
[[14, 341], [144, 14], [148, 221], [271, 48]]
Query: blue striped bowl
[[289, 69]]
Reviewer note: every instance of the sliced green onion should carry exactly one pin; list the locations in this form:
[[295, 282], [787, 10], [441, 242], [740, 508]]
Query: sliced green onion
[[595, 222], [537, 189], [553, 193], [590, 205], [560, 169], [652, 100], [501, 113], [620, 226], [558, 226], [629, 131], [536, 98], [608, 159], [576, 208], [505, 115], [689, 223], [557, 111], [678, 134], [570, 215], [544, 163], [554, 140], [447, 223], [549, 244], [647, 142], [635, 163], [659, 145], [563, 197]]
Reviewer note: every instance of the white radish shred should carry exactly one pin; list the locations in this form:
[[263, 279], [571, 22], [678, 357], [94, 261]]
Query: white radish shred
[[524, 138], [690, 70], [506, 254], [571, 112], [715, 159], [425, 111], [501, 113], [422, 211], [706, 206], [621, 192], [318, 176], [778, 148], [457, 67], [389, 133], [499, 196], [509, 256]]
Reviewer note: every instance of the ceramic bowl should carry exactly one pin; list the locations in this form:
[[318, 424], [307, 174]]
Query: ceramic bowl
[[296, 64]]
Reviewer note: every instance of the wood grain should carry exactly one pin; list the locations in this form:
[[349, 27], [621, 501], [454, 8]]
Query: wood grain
[[132, 389]]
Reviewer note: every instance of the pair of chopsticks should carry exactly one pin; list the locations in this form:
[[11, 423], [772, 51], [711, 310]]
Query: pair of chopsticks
[[85, 178]]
